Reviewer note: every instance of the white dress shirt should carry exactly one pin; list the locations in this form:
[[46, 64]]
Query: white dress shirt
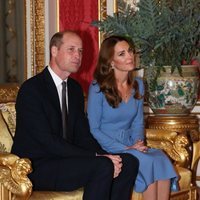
[[58, 82]]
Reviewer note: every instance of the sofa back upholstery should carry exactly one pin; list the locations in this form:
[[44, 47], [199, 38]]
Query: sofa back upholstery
[[7, 126], [8, 95]]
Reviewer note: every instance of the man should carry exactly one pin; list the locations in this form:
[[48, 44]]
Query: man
[[66, 160]]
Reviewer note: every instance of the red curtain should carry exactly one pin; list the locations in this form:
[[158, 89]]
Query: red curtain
[[78, 15]]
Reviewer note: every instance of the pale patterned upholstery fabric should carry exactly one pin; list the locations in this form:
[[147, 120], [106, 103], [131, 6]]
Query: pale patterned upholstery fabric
[[5, 137], [9, 115]]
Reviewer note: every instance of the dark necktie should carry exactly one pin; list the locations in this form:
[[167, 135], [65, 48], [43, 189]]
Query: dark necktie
[[64, 110]]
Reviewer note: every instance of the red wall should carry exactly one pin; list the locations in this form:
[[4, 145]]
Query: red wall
[[78, 15]]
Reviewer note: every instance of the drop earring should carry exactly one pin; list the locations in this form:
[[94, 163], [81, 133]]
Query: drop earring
[[112, 66]]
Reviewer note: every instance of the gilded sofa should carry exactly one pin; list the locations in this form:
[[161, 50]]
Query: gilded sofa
[[14, 183]]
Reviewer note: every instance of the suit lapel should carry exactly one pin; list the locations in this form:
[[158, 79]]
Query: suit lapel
[[51, 90]]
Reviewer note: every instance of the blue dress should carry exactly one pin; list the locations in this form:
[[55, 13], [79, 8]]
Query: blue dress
[[117, 128]]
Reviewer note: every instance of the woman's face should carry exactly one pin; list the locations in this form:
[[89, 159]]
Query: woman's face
[[123, 58]]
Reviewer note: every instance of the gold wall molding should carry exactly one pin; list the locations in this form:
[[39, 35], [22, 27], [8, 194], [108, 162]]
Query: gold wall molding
[[35, 36], [37, 27], [102, 14], [102, 9]]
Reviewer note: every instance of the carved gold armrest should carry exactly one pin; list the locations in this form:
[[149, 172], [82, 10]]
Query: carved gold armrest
[[174, 144], [13, 175]]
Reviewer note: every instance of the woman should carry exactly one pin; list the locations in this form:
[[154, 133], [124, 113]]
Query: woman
[[115, 112]]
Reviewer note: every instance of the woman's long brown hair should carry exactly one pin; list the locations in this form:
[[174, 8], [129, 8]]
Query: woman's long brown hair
[[104, 74]]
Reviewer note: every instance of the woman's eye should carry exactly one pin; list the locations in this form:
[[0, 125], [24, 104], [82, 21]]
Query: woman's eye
[[121, 54], [130, 50]]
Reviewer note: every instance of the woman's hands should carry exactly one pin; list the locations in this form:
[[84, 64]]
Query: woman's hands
[[117, 161], [139, 145]]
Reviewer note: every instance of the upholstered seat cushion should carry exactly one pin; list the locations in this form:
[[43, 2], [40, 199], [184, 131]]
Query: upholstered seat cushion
[[47, 195]]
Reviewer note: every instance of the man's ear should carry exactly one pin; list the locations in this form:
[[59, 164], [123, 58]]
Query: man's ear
[[54, 51]]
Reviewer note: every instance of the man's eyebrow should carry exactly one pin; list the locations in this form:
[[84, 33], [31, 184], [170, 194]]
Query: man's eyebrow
[[74, 46], [70, 46]]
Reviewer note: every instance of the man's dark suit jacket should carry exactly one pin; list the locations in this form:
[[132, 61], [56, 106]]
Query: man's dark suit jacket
[[39, 127]]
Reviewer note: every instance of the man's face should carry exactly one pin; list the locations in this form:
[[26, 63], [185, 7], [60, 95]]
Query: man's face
[[68, 57]]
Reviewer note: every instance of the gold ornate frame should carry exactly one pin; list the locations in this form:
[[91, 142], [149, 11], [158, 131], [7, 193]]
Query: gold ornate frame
[[37, 27], [102, 13]]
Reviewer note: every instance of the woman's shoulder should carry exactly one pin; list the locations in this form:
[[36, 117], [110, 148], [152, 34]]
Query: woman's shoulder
[[94, 90], [140, 84], [139, 80], [94, 86]]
